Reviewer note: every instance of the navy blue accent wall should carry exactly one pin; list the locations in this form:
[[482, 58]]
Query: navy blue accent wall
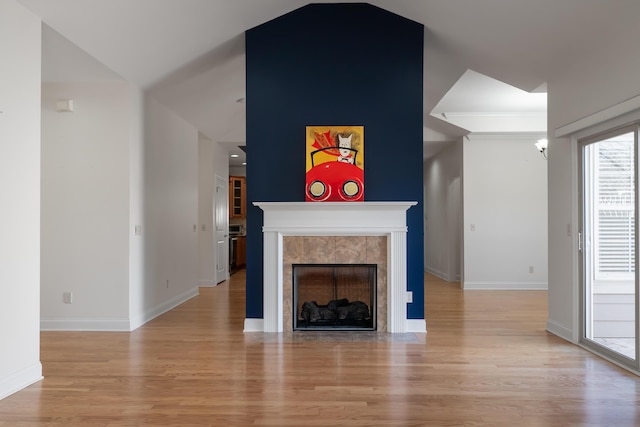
[[335, 64]]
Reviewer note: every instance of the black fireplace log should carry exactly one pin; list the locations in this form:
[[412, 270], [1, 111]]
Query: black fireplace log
[[312, 312], [336, 309], [337, 303], [357, 310]]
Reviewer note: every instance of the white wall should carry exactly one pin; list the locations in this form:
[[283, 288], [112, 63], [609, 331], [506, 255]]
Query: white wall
[[136, 207], [563, 256], [443, 212], [601, 78], [206, 187], [20, 198], [221, 161], [85, 206], [238, 170], [171, 210], [505, 213]]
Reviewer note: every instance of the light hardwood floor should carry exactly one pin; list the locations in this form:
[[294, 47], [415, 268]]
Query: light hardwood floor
[[486, 361]]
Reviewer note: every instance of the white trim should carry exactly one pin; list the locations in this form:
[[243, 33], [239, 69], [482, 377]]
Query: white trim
[[253, 325], [604, 115], [506, 136], [21, 379], [506, 286], [507, 114], [332, 206], [560, 331], [93, 325], [397, 282], [272, 287], [418, 326]]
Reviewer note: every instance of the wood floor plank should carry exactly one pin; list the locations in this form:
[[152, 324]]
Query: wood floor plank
[[486, 361]]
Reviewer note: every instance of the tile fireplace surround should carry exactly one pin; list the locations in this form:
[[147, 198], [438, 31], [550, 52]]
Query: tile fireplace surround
[[341, 232]]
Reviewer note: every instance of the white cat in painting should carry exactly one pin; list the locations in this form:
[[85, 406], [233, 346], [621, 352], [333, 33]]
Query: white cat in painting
[[345, 152]]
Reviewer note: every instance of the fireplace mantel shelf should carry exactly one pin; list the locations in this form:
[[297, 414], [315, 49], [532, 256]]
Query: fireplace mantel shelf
[[313, 218], [333, 219], [332, 206]]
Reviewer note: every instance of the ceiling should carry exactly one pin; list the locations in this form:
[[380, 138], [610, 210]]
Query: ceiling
[[189, 54]]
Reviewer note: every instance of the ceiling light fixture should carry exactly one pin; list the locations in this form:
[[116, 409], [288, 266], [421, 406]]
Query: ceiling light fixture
[[541, 145], [234, 156]]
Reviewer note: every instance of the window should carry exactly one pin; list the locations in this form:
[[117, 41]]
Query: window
[[613, 169]]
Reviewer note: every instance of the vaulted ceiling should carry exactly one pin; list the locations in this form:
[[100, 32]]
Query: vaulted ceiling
[[189, 54]]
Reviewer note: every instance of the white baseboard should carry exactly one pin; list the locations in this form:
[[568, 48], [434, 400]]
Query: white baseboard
[[253, 325], [418, 326], [506, 286], [440, 274], [93, 325], [163, 308], [207, 283], [21, 379], [116, 325], [560, 330]]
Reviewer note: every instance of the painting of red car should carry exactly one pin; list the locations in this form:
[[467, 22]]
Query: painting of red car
[[335, 181]]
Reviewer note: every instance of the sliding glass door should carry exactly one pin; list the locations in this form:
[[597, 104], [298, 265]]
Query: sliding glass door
[[608, 243]]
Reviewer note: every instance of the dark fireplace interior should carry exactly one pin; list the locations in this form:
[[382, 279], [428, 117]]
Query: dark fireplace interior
[[334, 296]]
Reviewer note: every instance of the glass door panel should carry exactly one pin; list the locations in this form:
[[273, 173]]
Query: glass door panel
[[608, 244]]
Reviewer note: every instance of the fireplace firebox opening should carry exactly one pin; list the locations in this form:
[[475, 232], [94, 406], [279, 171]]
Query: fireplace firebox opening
[[334, 297]]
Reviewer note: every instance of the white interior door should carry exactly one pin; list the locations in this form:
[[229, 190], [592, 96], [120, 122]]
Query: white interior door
[[221, 223]]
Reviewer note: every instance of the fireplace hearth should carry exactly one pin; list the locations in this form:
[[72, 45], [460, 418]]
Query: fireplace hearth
[[334, 297]]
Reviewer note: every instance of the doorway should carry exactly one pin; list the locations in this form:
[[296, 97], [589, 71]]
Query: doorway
[[608, 244], [221, 217]]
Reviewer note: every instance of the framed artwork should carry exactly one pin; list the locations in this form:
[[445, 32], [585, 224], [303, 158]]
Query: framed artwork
[[335, 164]]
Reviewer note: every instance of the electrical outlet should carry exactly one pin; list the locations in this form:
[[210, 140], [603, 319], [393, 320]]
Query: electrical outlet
[[531, 269], [409, 297], [67, 297], [473, 227]]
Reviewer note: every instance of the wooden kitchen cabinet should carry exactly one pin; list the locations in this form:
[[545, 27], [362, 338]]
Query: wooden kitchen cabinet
[[237, 197], [241, 255]]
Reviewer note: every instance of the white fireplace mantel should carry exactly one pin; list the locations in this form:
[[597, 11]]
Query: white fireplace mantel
[[335, 219]]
